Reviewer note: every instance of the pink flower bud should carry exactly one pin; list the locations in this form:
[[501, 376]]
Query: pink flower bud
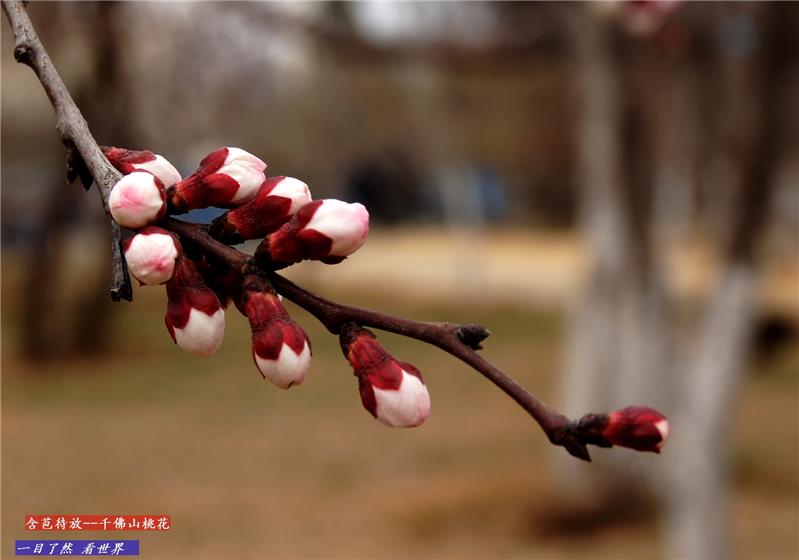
[[637, 427], [151, 255], [280, 348], [137, 200], [128, 161], [326, 230], [226, 178], [346, 225], [194, 317], [277, 201], [392, 391]]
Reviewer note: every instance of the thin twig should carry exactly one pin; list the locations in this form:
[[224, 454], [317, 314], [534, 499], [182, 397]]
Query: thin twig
[[72, 129], [447, 336]]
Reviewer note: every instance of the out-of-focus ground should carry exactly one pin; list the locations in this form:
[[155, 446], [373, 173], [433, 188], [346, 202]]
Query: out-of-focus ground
[[249, 471]]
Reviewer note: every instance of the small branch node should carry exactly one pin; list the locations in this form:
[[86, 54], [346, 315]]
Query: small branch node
[[23, 53], [472, 335], [121, 293], [76, 168]]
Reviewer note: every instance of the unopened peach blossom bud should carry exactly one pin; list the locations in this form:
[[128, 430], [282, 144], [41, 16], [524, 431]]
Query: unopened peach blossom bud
[[392, 391], [137, 200], [277, 201], [151, 255], [227, 177], [327, 230], [194, 317], [637, 427], [280, 348], [128, 161]]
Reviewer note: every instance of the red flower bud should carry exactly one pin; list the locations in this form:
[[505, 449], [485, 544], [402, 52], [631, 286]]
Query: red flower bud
[[637, 427], [277, 201], [194, 317], [226, 178], [326, 230], [392, 391], [128, 161], [280, 348]]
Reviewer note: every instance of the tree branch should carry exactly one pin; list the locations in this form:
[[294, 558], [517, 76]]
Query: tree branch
[[461, 341], [73, 131]]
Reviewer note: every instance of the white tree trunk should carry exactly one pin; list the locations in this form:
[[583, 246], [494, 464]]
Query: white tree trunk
[[696, 523], [618, 334]]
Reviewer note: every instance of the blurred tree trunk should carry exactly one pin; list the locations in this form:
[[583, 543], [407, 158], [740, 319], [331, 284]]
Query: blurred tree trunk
[[697, 524], [621, 335], [619, 339], [59, 320], [93, 305], [41, 339]]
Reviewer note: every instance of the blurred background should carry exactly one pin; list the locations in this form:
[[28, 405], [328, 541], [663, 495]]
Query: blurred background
[[612, 188]]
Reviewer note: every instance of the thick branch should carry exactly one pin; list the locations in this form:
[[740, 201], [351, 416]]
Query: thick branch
[[72, 129]]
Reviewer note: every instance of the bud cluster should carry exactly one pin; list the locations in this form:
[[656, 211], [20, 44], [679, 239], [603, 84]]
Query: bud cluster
[[293, 227]]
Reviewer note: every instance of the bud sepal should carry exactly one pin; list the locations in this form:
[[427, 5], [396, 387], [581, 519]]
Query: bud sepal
[[194, 317], [278, 199], [226, 178], [128, 161]]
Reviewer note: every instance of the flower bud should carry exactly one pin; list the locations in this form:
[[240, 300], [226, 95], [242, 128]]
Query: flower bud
[[637, 427], [392, 391], [151, 255], [226, 178], [277, 201], [128, 161], [326, 230], [194, 316], [137, 200], [280, 348]]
